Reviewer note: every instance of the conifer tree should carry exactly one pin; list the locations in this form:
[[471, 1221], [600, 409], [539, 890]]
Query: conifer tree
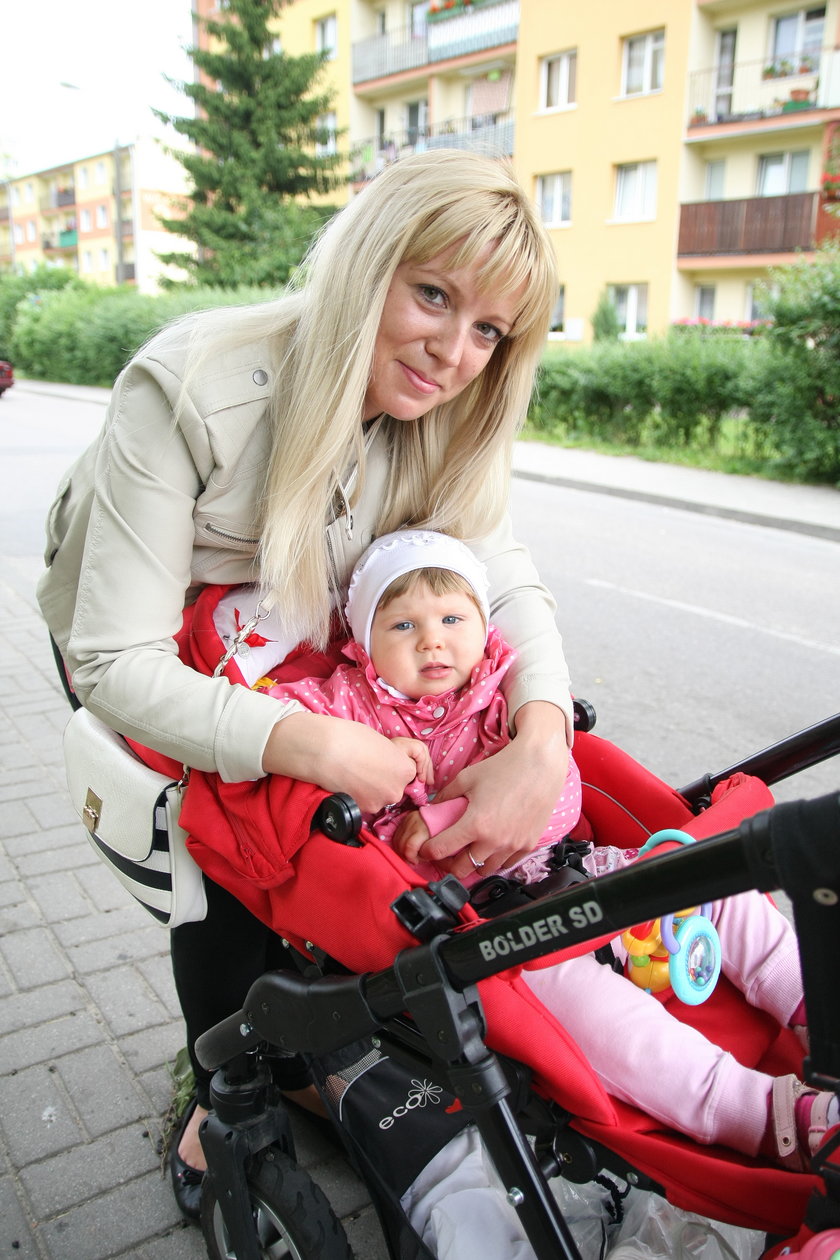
[[259, 153]]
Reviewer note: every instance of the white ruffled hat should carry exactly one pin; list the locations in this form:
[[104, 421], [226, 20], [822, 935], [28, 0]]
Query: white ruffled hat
[[392, 555]]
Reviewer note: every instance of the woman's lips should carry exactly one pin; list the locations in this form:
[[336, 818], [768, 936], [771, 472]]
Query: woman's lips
[[419, 382]]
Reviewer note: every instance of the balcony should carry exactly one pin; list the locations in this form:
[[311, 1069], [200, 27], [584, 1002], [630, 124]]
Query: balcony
[[755, 225], [752, 90], [453, 32], [66, 197], [493, 134]]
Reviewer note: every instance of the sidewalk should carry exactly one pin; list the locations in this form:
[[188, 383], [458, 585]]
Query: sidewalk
[[88, 1017]]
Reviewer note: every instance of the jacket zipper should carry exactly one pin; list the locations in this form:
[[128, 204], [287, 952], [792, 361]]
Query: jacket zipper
[[223, 533]]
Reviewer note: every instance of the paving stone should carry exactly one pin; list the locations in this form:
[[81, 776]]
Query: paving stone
[[57, 857], [126, 1001], [102, 1089], [33, 958], [98, 927], [60, 896], [46, 1042], [37, 1005], [74, 1176], [53, 810], [46, 841], [110, 1225], [16, 1238], [15, 819], [153, 1047], [104, 889], [112, 951], [36, 1116]]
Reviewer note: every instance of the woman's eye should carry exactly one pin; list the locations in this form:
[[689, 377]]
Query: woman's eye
[[433, 295], [490, 332]]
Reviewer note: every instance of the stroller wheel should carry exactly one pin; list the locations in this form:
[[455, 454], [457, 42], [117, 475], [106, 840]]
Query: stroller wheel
[[292, 1217]]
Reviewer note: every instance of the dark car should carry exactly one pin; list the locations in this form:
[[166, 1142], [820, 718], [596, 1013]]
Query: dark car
[[7, 376]]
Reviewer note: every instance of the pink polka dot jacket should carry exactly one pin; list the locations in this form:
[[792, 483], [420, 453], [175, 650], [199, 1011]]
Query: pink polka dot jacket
[[459, 728]]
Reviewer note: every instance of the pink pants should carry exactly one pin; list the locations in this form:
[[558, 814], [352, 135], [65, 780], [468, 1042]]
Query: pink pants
[[645, 1056]]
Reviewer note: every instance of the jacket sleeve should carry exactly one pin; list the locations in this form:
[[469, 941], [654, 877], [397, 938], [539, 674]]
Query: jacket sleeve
[[134, 580], [523, 610]]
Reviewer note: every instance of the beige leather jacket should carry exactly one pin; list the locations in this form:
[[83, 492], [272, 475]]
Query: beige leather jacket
[[155, 509]]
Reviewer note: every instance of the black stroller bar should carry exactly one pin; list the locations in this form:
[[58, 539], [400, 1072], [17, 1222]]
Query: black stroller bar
[[779, 761], [793, 846]]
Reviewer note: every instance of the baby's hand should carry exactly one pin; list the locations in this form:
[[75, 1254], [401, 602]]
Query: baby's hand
[[410, 836], [419, 754]]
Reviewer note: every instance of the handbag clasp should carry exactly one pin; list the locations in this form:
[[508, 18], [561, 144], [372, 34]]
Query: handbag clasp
[[92, 811]]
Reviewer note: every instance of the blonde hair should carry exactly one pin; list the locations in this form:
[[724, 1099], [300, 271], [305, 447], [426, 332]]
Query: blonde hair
[[439, 582], [453, 465]]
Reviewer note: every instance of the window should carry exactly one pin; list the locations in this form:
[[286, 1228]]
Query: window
[[326, 36], [644, 60], [100, 172], [83, 177], [87, 261], [18, 234], [704, 301], [782, 173], [29, 192], [630, 302], [416, 114], [101, 217], [558, 315], [418, 18], [798, 37], [104, 260], [635, 191], [84, 220], [31, 233], [554, 197], [715, 172], [326, 146], [558, 77]]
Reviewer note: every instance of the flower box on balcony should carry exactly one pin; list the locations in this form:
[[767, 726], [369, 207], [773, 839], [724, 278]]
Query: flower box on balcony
[[440, 10]]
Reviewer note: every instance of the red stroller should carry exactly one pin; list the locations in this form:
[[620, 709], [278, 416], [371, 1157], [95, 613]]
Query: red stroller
[[380, 1012]]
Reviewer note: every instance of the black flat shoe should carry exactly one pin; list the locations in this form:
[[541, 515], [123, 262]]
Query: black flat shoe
[[186, 1181]]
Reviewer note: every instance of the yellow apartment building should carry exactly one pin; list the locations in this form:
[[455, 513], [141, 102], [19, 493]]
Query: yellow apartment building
[[97, 216], [763, 108]]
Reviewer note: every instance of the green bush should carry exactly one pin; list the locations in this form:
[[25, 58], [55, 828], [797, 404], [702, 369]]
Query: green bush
[[86, 335], [696, 381], [15, 288]]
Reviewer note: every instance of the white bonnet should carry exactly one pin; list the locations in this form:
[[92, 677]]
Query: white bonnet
[[392, 555]]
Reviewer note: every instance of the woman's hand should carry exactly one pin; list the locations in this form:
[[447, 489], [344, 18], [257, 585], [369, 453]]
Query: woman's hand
[[511, 796], [341, 756]]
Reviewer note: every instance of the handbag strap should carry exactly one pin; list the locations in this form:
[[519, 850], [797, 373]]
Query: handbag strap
[[263, 609]]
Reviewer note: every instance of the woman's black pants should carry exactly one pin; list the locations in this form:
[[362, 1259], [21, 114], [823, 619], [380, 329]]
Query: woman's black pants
[[215, 962]]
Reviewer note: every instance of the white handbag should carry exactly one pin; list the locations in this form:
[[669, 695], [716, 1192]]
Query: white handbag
[[130, 814]]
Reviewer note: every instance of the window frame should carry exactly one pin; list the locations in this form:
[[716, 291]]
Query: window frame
[[787, 157], [645, 211], [635, 290], [324, 26], [562, 197], [567, 81], [653, 56]]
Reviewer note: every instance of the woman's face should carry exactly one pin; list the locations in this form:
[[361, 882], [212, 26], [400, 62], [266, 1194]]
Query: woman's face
[[436, 334]]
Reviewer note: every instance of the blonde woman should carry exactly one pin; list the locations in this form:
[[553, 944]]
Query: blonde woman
[[269, 445]]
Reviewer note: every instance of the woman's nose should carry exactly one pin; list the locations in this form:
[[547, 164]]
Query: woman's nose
[[447, 344]]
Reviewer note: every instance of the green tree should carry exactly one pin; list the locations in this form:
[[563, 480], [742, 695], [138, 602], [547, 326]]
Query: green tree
[[798, 403], [260, 153], [605, 325]]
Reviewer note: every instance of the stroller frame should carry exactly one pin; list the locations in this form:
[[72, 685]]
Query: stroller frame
[[793, 847]]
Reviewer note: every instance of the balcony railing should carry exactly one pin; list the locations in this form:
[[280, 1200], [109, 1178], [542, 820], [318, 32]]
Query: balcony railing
[[469, 29], [755, 225], [493, 135], [764, 89]]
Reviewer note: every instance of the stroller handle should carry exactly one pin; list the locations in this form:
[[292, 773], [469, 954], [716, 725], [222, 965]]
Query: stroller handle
[[793, 846]]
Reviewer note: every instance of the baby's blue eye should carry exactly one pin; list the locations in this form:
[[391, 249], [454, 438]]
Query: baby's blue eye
[[451, 620]]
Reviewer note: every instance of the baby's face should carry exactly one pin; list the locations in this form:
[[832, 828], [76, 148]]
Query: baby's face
[[425, 644]]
